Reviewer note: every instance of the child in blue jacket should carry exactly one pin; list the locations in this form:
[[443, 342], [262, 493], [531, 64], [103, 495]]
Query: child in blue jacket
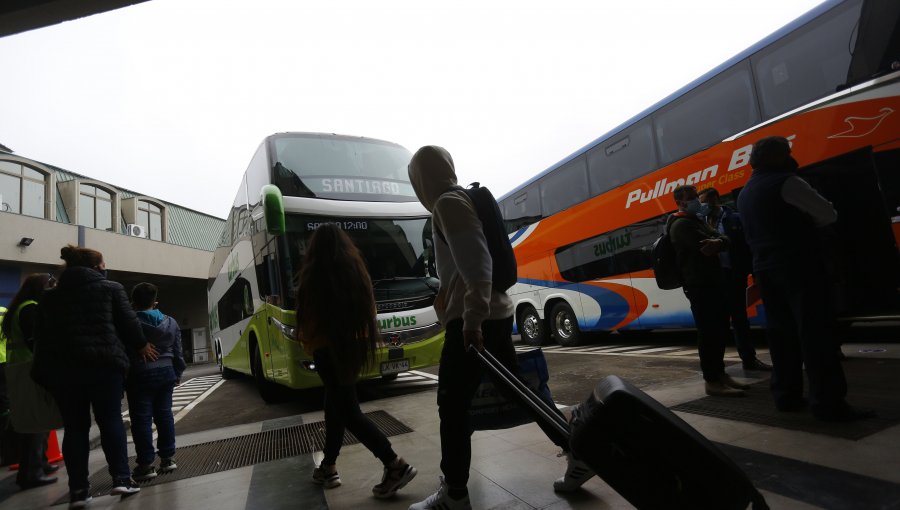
[[150, 386]]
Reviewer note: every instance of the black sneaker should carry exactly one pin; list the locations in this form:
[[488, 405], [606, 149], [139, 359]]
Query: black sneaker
[[143, 473], [124, 487], [79, 499], [167, 465], [757, 364], [394, 479], [328, 479]]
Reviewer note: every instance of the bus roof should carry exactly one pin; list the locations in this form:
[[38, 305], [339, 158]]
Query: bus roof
[[304, 134], [771, 38]]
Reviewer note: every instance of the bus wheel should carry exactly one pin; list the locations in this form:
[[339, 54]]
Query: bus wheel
[[226, 373], [268, 390], [565, 325], [530, 327]]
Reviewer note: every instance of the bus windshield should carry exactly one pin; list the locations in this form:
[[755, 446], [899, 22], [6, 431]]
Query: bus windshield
[[398, 252], [341, 168]]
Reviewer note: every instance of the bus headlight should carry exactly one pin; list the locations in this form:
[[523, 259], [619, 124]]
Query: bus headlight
[[288, 331]]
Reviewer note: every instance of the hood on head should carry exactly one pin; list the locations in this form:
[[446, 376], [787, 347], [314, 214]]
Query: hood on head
[[431, 173]]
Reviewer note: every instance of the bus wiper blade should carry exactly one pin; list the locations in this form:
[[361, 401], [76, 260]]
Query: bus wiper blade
[[423, 279], [393, 279]]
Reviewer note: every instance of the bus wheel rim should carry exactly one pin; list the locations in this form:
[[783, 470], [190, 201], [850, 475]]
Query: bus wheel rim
[[530, 326], [563, 325]]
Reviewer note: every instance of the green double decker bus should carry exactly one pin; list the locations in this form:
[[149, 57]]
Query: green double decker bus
[[295, 183]]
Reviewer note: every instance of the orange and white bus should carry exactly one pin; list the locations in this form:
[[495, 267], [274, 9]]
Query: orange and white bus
[[829, 81]]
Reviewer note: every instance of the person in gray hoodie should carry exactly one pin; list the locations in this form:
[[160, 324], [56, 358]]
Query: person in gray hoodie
[[150, 386], [473, 313]]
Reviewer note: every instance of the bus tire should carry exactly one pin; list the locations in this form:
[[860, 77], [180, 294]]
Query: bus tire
[[268, 390], [564, 325], [531, 327], [228, 373]]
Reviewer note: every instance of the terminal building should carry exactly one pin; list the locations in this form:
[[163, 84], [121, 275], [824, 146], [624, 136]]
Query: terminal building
[[142, 238]]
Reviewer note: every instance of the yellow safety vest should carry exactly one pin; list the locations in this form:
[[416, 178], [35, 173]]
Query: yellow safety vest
[[17, 349]]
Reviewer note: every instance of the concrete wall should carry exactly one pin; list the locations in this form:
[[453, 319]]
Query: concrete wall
[[121, 252], [179, 272], [49, 237]]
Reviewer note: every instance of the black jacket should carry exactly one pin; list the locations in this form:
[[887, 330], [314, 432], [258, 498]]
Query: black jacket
[[697, 269], [85, 324]]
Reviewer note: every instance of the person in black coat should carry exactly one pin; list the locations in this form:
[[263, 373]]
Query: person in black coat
[[782, 214], [85, 329]]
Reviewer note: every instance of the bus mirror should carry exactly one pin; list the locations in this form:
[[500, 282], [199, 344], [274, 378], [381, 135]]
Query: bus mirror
[[273, 208]]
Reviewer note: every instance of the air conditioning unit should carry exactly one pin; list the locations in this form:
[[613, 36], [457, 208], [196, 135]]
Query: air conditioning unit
[[136, 230]]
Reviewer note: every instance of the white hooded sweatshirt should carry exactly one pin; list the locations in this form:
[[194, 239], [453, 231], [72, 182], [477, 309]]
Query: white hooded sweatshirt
[[463, 262]]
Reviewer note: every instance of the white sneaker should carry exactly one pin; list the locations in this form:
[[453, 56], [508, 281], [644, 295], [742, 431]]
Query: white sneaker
[[80, 499], [124, 487], [440, 500], [577, 473]]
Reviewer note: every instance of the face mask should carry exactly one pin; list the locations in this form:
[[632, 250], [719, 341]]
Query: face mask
[[695, 207]]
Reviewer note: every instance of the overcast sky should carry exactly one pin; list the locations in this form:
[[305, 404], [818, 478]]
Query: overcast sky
[[170, 98]]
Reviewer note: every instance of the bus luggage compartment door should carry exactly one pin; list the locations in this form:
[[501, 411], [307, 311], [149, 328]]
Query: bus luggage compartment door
[[862, 259]]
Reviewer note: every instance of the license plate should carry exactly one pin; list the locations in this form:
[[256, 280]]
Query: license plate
[[395, 366]]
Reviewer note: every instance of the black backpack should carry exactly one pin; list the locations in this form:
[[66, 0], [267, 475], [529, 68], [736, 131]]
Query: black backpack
[[504, 271], [665, 265]]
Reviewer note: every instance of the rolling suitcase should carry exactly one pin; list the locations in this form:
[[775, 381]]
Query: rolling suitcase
[[641, 449]]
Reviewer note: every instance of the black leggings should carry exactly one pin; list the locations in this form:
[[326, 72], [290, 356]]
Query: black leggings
[[342, 412]]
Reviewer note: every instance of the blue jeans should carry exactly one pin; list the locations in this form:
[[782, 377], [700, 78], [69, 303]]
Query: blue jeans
[[102, 390], [150, 401]]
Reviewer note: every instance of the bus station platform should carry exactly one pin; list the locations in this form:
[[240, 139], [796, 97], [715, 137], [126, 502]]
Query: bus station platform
[[796, 462]]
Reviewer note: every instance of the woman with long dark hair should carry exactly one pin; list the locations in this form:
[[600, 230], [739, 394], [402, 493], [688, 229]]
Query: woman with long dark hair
[[85, 331], [19, 331], [334, 277]]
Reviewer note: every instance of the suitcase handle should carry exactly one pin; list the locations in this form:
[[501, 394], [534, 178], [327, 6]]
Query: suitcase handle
[[541, 408]]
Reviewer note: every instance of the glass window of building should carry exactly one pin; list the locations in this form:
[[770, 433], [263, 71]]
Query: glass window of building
[[94, 207], [149, 216], [23, 190]]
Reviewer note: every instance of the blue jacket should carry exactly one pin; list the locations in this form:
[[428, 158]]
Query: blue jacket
[[740, 260], [163, 332]]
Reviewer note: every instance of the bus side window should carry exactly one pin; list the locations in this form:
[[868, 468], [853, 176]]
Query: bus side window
[[564, 187], [524, 208], [719, 108], [624, 157], [641, 238]]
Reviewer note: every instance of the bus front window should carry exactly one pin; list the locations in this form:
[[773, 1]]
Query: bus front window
[[398, 252]]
